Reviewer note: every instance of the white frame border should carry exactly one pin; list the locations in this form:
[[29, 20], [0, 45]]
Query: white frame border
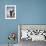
[[6, 11], [18, 33]]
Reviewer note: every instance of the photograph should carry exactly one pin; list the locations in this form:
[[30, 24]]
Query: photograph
[[28, 33], [10, 11]]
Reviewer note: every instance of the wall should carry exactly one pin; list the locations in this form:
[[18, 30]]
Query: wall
[[6, 26], [28, 12], [31, 11]]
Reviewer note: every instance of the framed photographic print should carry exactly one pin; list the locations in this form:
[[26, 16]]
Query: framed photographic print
[[10, 11], [33, 32]]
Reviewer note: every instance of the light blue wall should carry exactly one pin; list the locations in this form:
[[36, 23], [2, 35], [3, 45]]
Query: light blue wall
[[27, 12], [6, 26], [31, 11]]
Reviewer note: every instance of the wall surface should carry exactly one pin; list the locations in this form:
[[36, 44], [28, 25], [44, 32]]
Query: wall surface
[[6, 26], [31, 11], [27, 12]]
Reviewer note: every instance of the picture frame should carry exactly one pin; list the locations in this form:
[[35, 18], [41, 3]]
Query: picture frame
[[10, 11], [34, 30]]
